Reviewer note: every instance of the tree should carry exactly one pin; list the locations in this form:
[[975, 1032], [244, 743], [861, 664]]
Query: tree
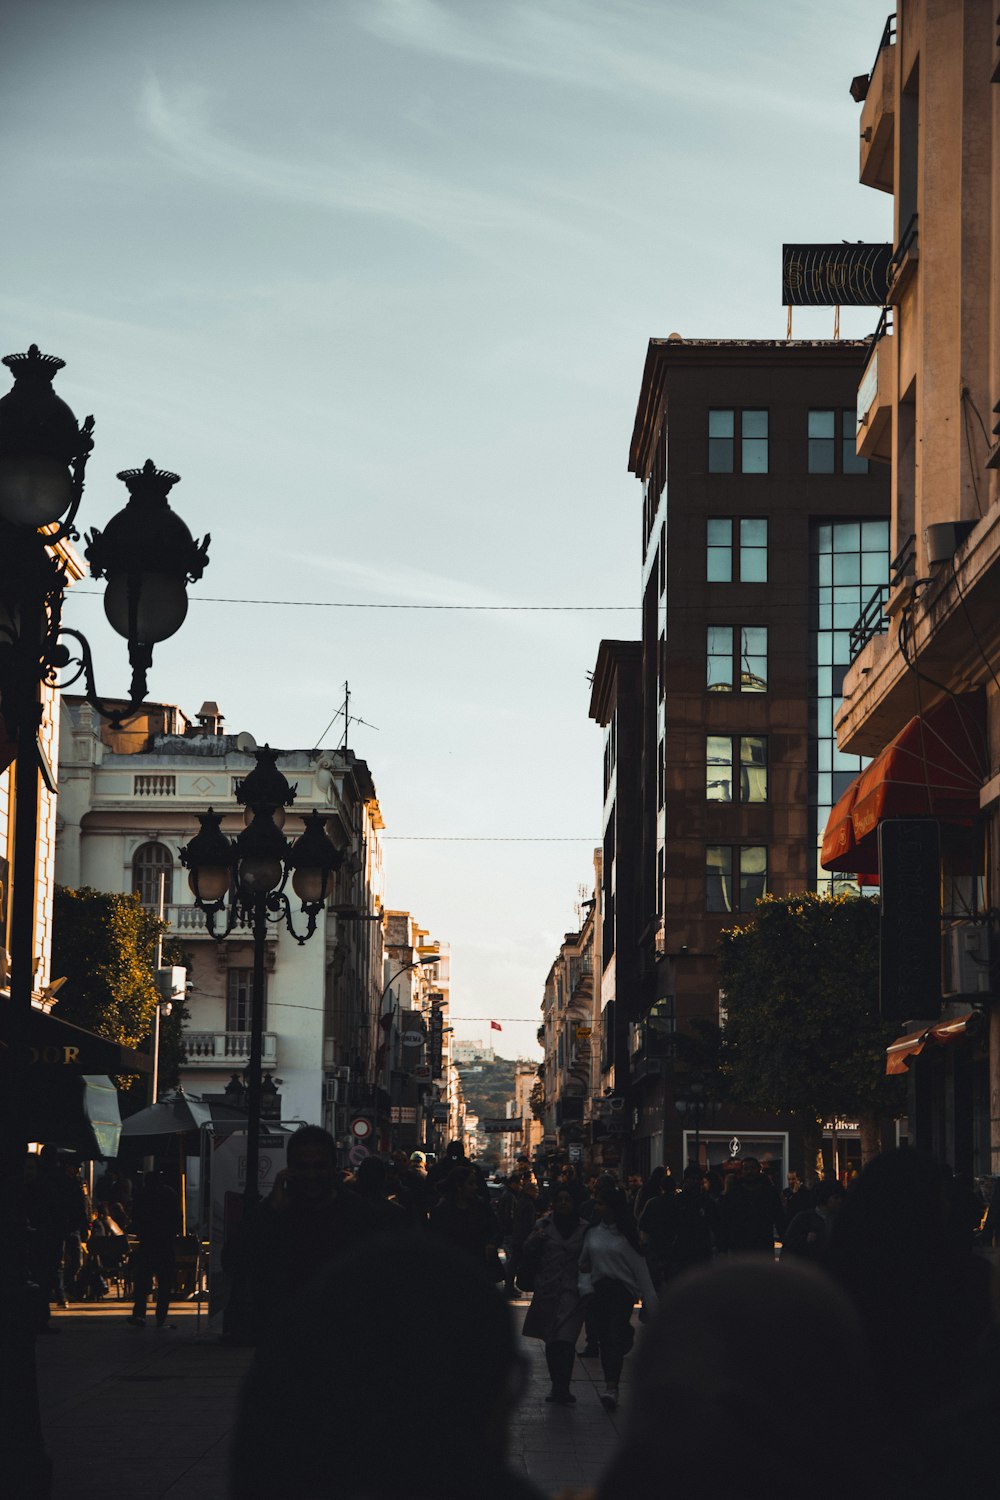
[[105, 945], [803, 1034]]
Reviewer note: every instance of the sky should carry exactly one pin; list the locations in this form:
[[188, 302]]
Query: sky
[[376, 278]]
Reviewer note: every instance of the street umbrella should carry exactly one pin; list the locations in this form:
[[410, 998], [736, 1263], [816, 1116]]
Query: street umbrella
[[175, 1114]]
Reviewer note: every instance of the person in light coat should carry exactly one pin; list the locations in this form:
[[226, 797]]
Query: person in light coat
[[552, 1252], [613, 1267]]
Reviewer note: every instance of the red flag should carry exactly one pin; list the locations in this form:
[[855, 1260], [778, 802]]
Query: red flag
[[495, 1026]]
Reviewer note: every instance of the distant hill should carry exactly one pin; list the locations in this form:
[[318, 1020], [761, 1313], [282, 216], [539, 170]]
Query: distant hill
[[488, 1086]]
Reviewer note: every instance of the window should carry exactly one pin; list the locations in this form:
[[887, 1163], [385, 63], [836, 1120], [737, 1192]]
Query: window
[[753, 551], [851, 461], [720, 550], [829, 431], [750, 557], [723, 753], [735, 877], [753, 426], [239, 999], [719, 654], [722, 441], [748, 668], [153, 870], [822, 442], [752, 666]]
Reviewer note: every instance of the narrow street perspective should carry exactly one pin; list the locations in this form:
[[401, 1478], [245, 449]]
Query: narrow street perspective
[[499, 750]]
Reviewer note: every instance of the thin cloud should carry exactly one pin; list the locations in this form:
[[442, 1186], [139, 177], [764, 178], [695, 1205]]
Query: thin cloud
[[600, 48], [353, 180]]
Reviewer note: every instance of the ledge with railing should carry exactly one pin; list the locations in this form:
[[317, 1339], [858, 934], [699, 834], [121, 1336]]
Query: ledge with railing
[[190, 920], [225, 1049], [873, 620]]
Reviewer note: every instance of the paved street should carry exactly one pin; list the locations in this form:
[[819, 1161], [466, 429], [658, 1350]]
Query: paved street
[[147, 1412]]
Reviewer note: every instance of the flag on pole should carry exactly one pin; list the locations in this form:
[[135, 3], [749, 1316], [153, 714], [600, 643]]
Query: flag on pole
[[495, 1026]]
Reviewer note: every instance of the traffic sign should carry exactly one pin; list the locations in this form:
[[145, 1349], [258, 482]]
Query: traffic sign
[[362, 1128], [356, 1155]]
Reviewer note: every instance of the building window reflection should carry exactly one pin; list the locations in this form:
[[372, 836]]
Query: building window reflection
[[735, 876], [849, 560]]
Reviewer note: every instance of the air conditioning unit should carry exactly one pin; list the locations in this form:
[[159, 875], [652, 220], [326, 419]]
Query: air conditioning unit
[[343, 1075], [965, 967]]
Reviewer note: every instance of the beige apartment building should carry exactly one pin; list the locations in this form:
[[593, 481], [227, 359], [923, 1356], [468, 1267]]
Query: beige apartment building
[[922, 694]]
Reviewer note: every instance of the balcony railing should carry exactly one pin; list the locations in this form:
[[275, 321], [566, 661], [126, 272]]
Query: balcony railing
[[155, 784], [873, 620], [191, 920], [878, 114], [903, 264], [225, 1049]]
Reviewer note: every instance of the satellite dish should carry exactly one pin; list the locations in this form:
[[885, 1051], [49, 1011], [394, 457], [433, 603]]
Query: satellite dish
[[246, 742]]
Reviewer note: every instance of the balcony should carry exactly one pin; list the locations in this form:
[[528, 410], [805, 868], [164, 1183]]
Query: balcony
[[225, 1049], [877, 395], [873, 619], [190, 921], [904, 262], [878, 117]]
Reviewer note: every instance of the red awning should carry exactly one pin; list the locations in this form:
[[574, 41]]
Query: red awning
[[931, 769], [899, 1052]]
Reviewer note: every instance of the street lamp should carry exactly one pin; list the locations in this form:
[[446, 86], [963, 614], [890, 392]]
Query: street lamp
[[387, 1020], [252, 872], [148, 556]]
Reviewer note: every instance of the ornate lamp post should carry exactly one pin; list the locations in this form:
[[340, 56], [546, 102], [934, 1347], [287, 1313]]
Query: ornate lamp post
[[148, 556], [245, 879]]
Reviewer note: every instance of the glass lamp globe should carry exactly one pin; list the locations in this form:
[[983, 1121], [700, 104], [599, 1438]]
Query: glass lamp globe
[[210, 883], [310, 884], [161, 604], [259, 874], [277, 815], [34, 491]]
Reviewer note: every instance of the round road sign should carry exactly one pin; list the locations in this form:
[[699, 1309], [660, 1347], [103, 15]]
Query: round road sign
[[361, 1128], [357, 1154]]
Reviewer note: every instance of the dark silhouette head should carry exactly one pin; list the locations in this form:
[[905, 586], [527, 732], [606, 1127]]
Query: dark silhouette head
[[738, 1361], [415, 1331]]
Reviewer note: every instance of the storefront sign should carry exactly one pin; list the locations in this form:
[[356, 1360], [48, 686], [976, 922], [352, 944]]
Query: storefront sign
[[835, 275]]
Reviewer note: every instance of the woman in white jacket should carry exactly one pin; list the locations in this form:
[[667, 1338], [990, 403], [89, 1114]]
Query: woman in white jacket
[[613, 1267]]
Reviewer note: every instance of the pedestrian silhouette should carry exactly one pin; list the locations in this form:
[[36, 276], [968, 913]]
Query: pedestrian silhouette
[[391, 1377]]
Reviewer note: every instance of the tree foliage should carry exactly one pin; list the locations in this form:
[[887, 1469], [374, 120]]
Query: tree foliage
[[105, 945], [803, 1033]]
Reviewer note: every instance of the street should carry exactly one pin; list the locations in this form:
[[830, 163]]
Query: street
[[142, 1411]]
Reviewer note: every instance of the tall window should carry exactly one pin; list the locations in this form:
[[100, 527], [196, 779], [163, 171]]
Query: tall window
[[153, 866], [753, 427], [722, 449], [724, 754], [239, 999], [849, 561], [721, 441], [736, 656], [735, 876], [832, 434], [736, 551]]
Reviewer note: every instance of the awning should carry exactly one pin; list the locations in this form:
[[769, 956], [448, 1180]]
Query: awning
[[56, 1044], [899, 1052], [77, 1111], [933, 768]]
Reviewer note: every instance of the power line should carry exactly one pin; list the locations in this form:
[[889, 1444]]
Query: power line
[[359, 604]]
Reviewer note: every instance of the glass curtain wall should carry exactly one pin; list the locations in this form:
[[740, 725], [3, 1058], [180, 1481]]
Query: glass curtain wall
[[849, 560]]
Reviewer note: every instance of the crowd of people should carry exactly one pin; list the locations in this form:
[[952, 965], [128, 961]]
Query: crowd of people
[[78, 1243], [881, 1305], [397, 1279]]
